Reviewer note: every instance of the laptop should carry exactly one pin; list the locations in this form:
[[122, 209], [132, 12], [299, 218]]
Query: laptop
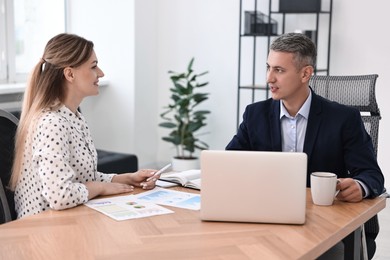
[[249, 186]]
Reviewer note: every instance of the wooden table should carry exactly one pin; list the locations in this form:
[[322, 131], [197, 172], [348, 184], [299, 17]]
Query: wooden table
[[83, 233]]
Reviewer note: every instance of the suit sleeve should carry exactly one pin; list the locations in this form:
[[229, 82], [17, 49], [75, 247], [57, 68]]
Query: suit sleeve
[[240, 140], [360, 157]]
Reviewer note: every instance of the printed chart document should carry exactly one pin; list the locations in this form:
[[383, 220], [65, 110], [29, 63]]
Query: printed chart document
[[172, 198], [188, 179], [126, 207]]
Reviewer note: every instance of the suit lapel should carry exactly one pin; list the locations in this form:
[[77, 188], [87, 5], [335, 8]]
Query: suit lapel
[[274, 122], [313, 124]]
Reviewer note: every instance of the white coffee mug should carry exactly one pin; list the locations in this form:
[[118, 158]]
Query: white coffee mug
[[323, 188]]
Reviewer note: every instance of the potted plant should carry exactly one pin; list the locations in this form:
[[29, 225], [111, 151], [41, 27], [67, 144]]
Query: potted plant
[[182, 118]]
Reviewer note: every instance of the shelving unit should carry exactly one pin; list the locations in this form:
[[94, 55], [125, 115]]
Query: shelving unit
[[254, 42]]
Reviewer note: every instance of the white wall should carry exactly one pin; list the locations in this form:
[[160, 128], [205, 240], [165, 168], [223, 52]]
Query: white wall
[[208, 31], [110, 115], [146, 90], [137, 42], [360, 46], [123, 117]]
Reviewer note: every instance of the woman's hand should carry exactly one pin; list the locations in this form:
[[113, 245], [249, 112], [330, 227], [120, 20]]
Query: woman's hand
[[143, 178], [123, 183]]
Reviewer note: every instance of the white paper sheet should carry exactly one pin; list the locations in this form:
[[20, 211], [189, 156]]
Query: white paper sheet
[[126, 207], [172, 198]]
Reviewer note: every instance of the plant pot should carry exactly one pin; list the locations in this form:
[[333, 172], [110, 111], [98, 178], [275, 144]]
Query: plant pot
[[179, 165]]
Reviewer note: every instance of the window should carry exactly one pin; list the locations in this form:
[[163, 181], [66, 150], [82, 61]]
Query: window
[[25, 27]]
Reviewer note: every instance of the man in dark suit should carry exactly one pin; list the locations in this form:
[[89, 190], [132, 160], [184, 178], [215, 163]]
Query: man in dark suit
[[295, 119]]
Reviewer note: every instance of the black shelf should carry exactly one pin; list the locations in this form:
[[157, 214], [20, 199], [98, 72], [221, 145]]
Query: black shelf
[[259, 35], [323, 21], [320, 12], [322, 70]]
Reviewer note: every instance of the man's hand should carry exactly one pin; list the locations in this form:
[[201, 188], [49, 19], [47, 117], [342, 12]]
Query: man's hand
[[350, 190]]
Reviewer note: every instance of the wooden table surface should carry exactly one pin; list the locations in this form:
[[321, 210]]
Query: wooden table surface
[[83, 233]]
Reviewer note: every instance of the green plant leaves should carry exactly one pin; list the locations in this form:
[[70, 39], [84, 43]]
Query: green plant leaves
[[180, 115], [167, 125]]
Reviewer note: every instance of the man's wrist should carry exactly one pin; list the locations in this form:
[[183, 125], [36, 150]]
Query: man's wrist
[[363, 188]]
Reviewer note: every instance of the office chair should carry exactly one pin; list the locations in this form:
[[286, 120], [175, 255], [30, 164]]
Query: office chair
[[354, 91], [358, 92], [5, 214], [8, 125], [114, 162]]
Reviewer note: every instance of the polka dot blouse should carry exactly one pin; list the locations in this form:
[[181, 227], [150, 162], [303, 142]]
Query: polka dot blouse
[[59, 158]]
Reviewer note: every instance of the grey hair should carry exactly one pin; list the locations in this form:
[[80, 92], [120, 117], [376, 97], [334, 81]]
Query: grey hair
[[303, 48]]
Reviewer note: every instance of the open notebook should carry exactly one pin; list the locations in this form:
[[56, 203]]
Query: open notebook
[[188, 179], [243, 186]]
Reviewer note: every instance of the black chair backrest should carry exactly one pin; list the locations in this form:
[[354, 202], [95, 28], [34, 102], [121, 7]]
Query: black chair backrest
[[355, 91], [8, 125], [5, 214]]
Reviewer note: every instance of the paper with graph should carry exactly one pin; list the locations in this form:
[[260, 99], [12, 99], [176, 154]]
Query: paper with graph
[[172, 198], [126, 207]]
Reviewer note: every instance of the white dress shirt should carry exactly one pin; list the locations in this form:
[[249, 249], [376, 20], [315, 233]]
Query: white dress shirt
[[294, 127]]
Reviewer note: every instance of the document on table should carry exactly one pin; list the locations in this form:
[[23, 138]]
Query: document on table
[[172, 198], [126, 207], [190, 178]]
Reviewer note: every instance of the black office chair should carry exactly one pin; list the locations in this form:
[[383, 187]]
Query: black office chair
[[358, 92], [114, 162], [5, 214], [8, 125]]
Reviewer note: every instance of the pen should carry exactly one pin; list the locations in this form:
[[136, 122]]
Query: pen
[[159, 171]]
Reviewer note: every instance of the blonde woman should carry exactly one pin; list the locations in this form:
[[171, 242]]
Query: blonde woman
[[55, 164]]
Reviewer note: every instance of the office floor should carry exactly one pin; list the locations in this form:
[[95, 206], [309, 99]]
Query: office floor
[[383, 239]]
